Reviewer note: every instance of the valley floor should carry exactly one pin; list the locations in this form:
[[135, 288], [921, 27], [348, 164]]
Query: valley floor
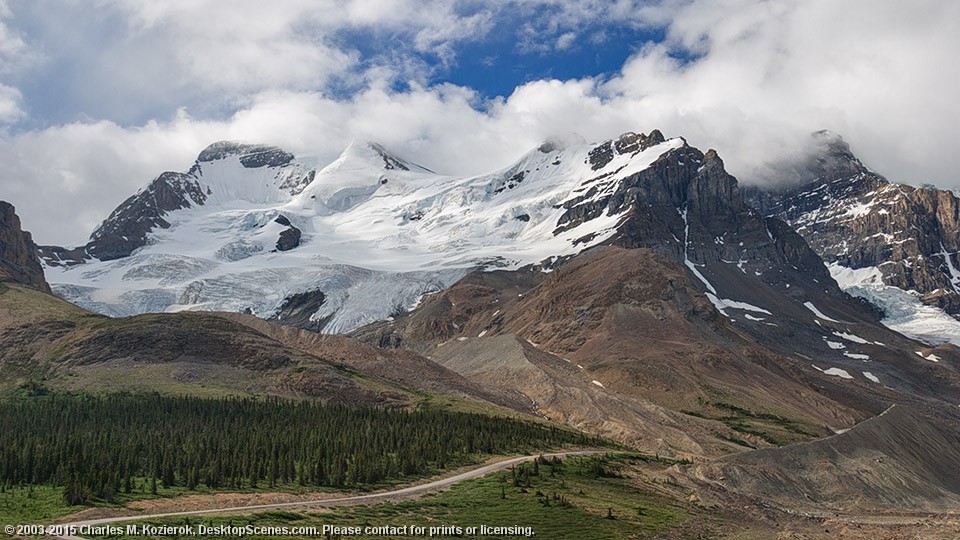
[[593, 496]]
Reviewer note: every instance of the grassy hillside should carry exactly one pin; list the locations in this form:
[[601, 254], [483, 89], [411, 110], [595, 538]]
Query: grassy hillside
[[47, 342]]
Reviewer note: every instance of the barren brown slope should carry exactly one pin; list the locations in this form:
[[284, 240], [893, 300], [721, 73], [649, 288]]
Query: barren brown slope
[[634, 322], [45, 339], [904, 460], [636, 325], [404, 368], [565, 393]]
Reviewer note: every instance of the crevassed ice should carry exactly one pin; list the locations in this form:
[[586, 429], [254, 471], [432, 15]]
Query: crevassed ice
[[904, 312]]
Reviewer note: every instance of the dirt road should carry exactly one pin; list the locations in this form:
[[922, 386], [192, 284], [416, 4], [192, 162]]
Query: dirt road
[[373, 498]]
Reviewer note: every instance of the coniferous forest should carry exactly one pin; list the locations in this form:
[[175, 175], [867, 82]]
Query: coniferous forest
[[96, 447]]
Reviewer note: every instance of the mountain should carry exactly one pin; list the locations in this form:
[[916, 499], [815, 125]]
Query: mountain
[[18, 260], [619, 341], [695, 304], [380, 236], [893, 244], [626, 288], [253, 229], [126, 229]]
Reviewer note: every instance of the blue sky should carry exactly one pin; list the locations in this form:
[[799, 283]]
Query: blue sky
[[98, 67], [509, 56], [98, 98], [498, 66]]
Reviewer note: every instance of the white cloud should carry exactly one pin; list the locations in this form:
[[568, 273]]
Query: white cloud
[[130, 61], [566, 40], [10, 110], [13, 53], [12, 46], [251, 45], [880, 73], [751, 79]]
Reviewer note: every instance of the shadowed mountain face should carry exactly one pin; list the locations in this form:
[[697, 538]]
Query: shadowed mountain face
[[18, 259]]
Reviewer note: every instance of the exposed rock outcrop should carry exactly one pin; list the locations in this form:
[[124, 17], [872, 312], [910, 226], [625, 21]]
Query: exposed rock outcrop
[[252, 156], [289, 237], [297, 310], [18, 258]]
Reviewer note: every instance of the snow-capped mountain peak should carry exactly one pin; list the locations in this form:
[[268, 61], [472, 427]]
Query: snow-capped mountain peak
[[371, 232], [360, 171], [231, 172]]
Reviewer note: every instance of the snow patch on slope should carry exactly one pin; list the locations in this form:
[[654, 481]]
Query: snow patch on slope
[[835, 345], [851, 337], [817, 312], [725, 303], [842, 373]]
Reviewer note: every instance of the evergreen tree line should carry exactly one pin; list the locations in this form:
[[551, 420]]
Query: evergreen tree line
[[96, 447]]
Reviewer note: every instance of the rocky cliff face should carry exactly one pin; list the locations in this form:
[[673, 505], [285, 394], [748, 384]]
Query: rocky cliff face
[[687, 207], [855, 218], [18, 260], [252, 156], [127, 227]]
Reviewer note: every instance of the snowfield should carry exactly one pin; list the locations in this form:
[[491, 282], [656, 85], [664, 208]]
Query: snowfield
[[378, 233]]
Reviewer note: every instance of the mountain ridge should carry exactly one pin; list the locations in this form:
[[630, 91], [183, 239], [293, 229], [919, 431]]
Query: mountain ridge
[[624, 288], [379, 228]]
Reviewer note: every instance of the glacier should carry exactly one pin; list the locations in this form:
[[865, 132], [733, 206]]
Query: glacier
[[904, 312], [378, 232]]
